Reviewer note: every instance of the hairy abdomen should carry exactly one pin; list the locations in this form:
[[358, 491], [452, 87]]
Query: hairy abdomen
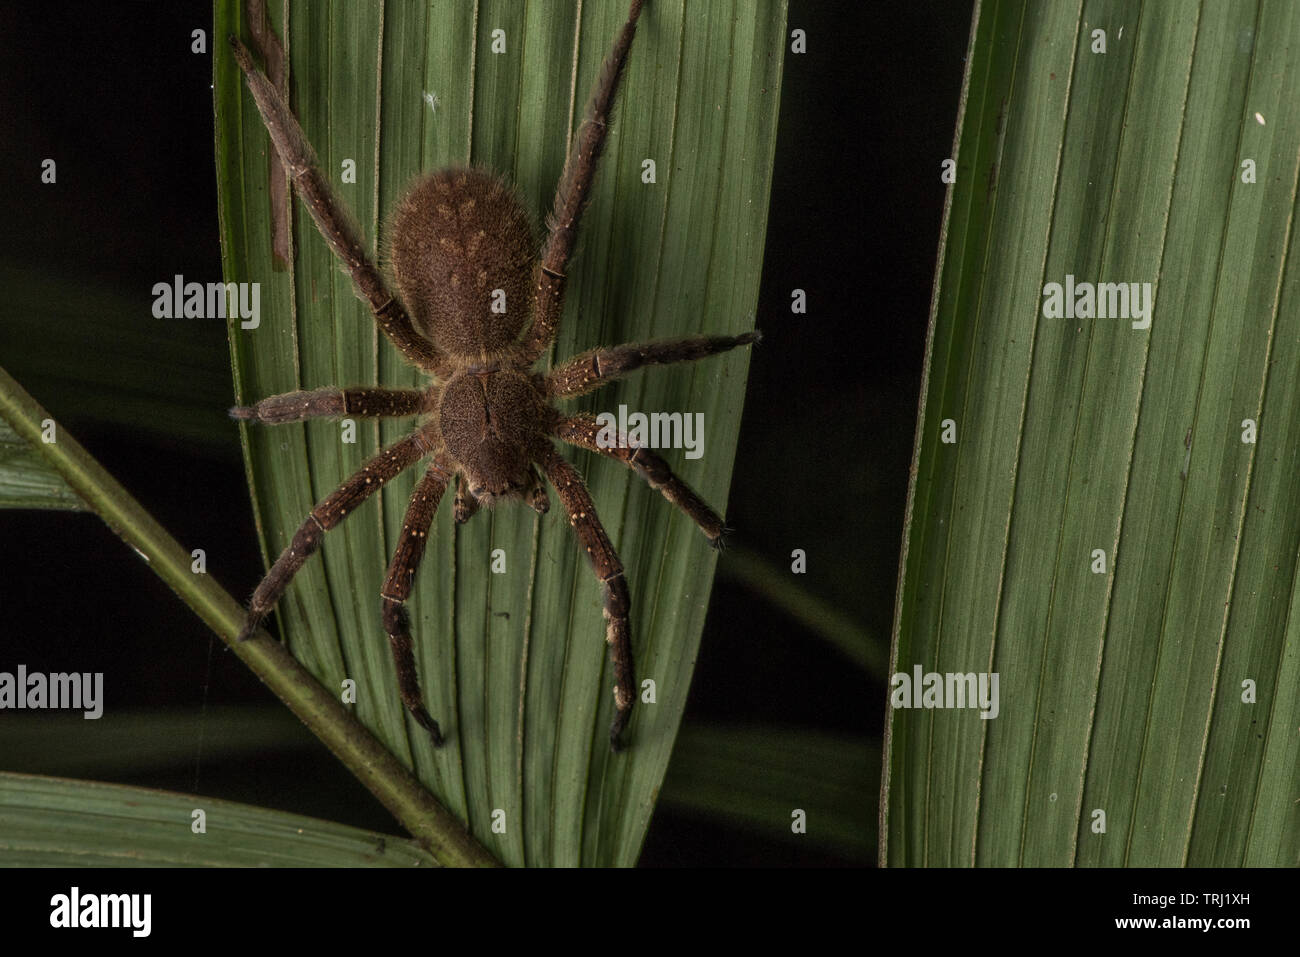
[[462, 251]]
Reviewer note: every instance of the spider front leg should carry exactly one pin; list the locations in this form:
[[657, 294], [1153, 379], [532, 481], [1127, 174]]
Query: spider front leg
[[373, 475], [572, 195], [331, 402], [590, 370], [397, 588], [604, 561], [584, 431], [300, 161]]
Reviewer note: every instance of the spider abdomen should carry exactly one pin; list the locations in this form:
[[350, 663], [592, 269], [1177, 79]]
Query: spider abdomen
[[462, 251]]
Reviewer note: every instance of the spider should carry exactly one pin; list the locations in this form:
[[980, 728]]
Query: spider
[[461, 243]]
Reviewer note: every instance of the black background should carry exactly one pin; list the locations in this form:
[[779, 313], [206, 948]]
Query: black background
[[867, 115]]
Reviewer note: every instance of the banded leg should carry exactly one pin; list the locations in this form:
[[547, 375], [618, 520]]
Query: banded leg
[[584, 431], [397, 589], [604, 560], [573, 193], [590, 370], [327, 403], [327, 212], [326, 515]]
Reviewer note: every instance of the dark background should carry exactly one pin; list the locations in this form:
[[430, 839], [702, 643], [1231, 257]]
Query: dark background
[[116, 96]]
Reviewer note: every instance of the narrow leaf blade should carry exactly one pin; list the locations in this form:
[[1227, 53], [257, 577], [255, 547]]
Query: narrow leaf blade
[[1114, 531], [512, 664]]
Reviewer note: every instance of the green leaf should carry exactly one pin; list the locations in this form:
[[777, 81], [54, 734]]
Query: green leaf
[[776, 587], [53, 822], [97, 360], [27, 480], [1126, 692], [744, 776], [319, 709], [140, 740], [512, 665]]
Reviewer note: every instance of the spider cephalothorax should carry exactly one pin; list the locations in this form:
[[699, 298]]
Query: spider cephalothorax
[[478, 305]]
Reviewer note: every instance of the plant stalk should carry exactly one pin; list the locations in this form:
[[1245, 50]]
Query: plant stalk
[[432, 825]]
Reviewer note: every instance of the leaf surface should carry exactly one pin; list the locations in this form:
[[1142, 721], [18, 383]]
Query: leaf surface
[[1114, 531], [513, 665]]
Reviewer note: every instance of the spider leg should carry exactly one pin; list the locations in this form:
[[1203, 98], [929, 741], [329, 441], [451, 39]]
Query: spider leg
[[397, 588], [604, 560], [535, 495], [590, 370], [572, 195], [466, 504], [583, 431], [330, 402], [325, 516], [327, 212]]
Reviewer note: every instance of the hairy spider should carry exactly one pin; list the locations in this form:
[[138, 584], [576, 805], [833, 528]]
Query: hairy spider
[[460, 242]]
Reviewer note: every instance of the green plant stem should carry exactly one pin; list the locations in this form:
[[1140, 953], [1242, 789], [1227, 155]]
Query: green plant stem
[[432, 825]]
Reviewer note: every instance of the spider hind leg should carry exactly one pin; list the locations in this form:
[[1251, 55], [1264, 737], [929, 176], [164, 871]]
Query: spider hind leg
[[327, 212], [573, 192]]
